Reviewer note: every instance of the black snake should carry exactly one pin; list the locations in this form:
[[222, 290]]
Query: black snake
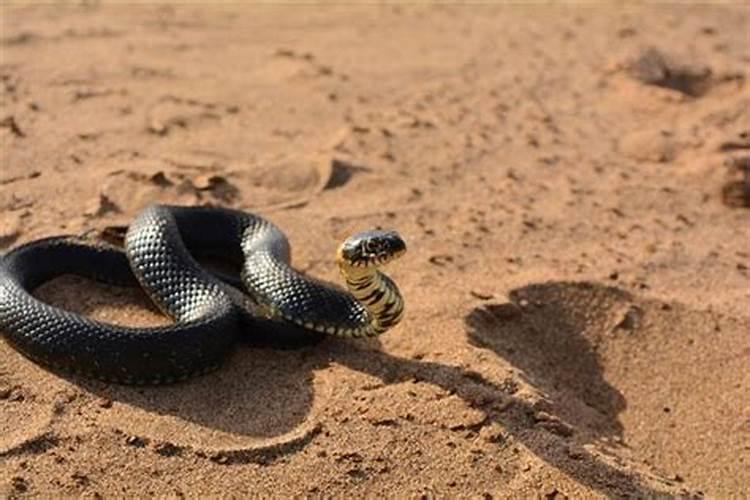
[[160, 252]]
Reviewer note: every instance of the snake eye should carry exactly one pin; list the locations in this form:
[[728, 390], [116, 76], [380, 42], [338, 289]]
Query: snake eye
[[371, 246]]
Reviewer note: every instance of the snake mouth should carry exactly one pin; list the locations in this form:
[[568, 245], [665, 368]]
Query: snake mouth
[[371, 249]]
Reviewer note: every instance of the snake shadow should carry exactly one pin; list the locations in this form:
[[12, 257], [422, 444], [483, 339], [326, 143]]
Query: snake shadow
[[264, 393], [264, 389], [550, 342], [551, 332]]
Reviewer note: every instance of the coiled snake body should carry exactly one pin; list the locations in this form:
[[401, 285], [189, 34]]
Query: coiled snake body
[[159, 253]]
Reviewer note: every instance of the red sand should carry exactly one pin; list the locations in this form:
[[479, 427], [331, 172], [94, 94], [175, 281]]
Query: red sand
[[576, 284]]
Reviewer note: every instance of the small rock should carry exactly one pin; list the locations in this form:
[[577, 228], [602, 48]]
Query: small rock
[[217, 185], [554, 494], [135, 441], [205, 182], [16, 396], [102, 206], [492, 433], [337, 172], [167, 449], [631, 320], [441, 260], [384, 422], [160, 179], [543, 416]]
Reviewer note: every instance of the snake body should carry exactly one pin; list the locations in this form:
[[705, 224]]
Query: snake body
[[160, 252]]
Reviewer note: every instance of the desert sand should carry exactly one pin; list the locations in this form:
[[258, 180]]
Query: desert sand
[[569, 182]]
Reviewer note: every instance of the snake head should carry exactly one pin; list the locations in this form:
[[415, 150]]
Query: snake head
[[371, 249]]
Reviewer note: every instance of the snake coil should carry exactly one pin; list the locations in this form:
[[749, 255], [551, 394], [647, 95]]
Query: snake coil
[[159, 251]]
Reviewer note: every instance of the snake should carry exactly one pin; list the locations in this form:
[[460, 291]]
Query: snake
[[210, 310]]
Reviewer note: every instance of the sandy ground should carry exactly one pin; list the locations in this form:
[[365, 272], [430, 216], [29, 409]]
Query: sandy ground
[[579, 267]]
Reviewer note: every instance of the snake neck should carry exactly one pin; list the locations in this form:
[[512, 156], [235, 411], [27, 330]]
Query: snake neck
[[378, 294]]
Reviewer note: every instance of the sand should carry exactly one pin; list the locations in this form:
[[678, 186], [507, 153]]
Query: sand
[[568, 181]]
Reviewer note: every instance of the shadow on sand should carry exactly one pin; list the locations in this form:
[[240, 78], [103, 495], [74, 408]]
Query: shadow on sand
[[551, 344], [548, 331]]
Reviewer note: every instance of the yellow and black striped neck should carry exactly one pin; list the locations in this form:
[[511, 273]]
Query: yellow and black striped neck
[[378, 294]]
